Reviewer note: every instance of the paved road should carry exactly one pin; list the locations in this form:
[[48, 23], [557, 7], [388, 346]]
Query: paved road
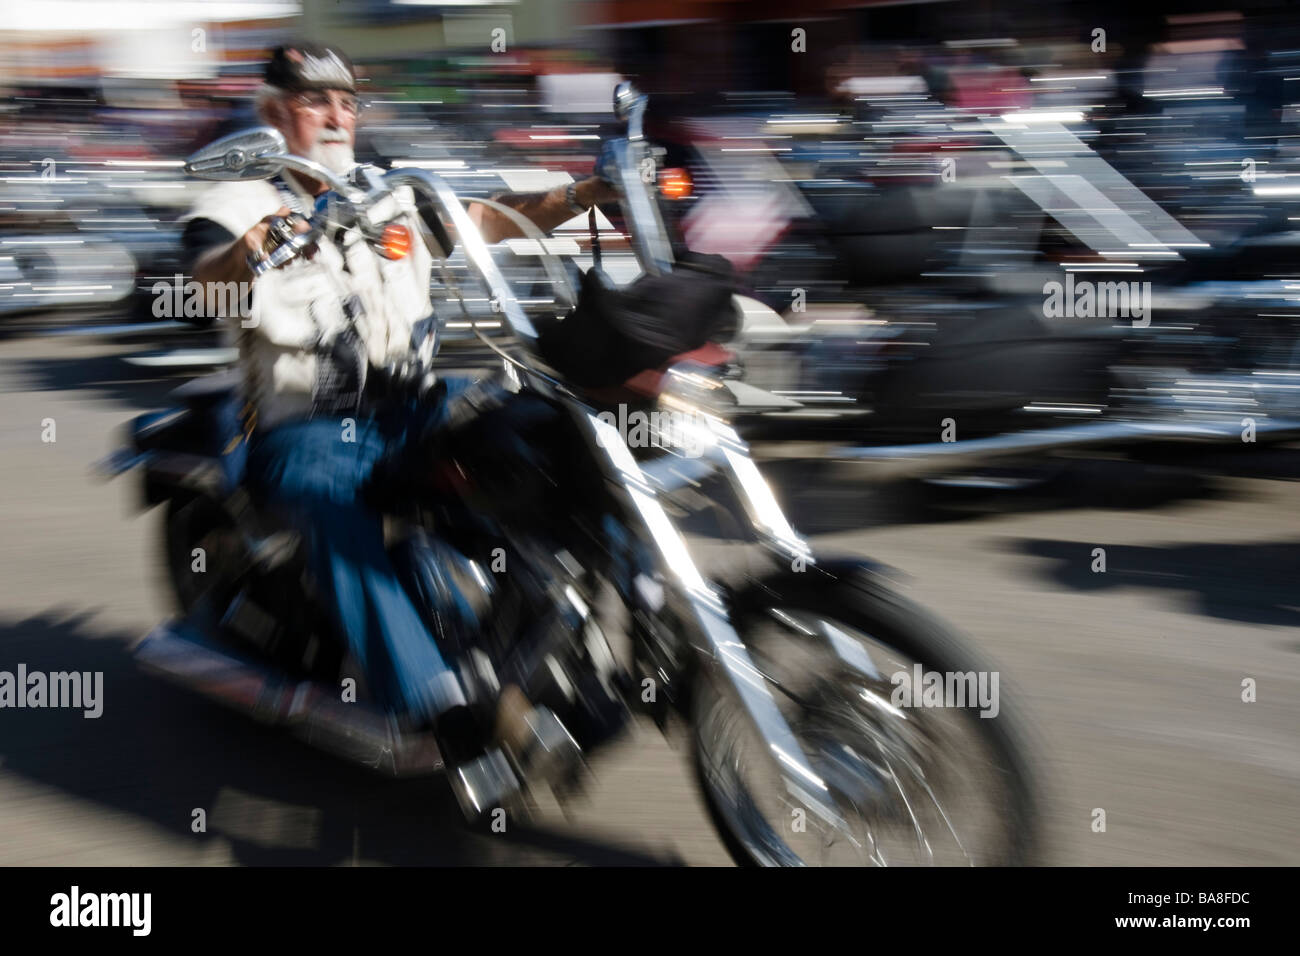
[[1132, 678]]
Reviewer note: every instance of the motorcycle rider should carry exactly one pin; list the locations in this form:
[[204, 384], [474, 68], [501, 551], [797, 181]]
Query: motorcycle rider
[[316, 334]]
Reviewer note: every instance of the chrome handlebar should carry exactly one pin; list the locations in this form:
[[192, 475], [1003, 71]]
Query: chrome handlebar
[[289, 244], [636, 181], [260, 153], [345, 205]]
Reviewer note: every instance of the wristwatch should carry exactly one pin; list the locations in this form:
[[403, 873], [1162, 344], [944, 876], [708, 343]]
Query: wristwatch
[[571, 198]]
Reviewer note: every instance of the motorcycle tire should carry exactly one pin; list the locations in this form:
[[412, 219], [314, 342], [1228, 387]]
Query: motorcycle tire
[[858, 603]]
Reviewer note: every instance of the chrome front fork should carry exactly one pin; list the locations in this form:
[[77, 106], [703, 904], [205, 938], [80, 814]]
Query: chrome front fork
[[722, 644]]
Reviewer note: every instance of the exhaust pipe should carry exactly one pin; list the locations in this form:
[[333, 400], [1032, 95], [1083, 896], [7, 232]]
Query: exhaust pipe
[[313, 712]]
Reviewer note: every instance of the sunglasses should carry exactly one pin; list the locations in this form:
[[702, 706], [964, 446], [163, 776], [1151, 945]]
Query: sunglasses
[[320, 101]]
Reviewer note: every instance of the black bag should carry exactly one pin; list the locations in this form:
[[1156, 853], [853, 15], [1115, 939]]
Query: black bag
[[612, 334]]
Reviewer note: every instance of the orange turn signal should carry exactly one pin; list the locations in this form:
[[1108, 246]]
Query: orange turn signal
[[395, 241], [675, 183]]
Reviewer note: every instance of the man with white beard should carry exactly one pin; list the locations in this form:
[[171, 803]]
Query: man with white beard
[[316, 335]]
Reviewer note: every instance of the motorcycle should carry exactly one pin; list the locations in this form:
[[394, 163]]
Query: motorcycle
[[965, 380], [550, 556]]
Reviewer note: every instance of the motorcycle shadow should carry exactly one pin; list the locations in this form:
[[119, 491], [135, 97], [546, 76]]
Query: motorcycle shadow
[[1244, 583], [106, 376], [160, 754]]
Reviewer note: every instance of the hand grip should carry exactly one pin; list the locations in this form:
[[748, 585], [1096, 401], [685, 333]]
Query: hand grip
[[289, 244]]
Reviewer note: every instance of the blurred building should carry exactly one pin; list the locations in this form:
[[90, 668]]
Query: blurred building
[[80, 42]]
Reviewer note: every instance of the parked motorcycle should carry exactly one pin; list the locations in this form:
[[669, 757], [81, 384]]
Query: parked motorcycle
[[553, 533], [917, 340]]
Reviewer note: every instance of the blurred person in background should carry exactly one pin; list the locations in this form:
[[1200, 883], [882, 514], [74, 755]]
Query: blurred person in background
[[984, 80], [319, 332]]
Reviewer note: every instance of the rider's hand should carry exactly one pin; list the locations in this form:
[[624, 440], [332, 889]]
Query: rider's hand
[[230, 263], [596, 191], [254, 243]]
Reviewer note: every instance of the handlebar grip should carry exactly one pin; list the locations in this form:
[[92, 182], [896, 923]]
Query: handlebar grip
[[289, 244]]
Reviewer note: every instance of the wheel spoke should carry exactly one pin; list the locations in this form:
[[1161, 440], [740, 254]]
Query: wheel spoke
[[883, 789]]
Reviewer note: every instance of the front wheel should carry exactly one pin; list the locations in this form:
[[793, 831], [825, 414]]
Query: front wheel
[[916, 780]]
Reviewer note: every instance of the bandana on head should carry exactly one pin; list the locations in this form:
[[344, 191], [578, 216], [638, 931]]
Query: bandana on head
[[310, 66]]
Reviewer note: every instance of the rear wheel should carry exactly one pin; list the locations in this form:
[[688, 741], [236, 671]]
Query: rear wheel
[[203, 550], [272, 614], [912, 785]]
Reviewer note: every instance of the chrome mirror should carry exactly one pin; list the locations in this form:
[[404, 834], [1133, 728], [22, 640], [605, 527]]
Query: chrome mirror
[[249, 154], [629, 106]]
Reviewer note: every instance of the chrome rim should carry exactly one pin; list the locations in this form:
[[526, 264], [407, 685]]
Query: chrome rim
[[914, 786]]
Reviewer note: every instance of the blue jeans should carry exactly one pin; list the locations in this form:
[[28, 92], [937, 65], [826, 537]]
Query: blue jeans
[[311, 475]]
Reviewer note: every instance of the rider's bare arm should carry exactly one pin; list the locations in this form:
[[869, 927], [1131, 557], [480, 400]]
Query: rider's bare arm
[[229, 263], [547, 209]]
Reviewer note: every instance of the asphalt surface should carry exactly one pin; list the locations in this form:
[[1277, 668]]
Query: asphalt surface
[[1131, 679]]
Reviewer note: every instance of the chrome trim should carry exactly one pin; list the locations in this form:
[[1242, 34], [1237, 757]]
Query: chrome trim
[[649, 238], [314, 712], [724, 645]]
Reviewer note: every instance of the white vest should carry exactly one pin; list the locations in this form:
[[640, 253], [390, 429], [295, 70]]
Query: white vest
[[295, 305]]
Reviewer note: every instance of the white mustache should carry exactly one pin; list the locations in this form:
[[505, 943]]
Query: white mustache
[[327, 137], [336, 156]]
